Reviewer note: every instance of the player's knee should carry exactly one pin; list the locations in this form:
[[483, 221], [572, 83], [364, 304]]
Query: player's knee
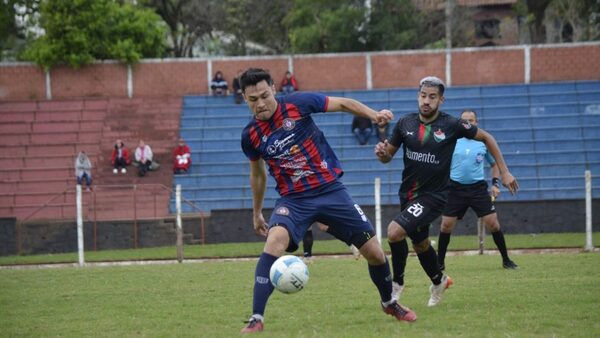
[[373, 252], [421, 246], [491, 222], [493, 227], [277, 241], [395, 233], [446, 227]]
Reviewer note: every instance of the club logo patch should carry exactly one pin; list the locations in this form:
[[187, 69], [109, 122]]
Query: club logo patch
[[289, 124], [439, 135], [283, 211], [479, 158]]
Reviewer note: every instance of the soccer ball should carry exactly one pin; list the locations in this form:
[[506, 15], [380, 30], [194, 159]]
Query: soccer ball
[[289, 274]]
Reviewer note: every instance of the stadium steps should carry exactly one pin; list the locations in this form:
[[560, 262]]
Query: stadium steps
[[39, 141], [548, 132]]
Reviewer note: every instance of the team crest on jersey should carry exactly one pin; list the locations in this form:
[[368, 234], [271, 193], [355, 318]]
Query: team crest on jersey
[[439, 136], [479, 158], [324, 164], [282, 211], [289, 124]]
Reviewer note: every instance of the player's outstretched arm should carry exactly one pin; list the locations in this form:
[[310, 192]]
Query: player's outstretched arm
[[357, 108], [258, 183], [508, 180]]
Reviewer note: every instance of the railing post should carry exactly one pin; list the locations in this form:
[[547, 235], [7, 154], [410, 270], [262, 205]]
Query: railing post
[[135, 231], [179, 227]]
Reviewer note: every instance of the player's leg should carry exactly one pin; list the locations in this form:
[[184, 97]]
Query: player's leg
[[379, 270], [446, 228], [492, 224], [456, 206], [351, 225], [307, 244], [277, 242], [485, 209], [399, 249]]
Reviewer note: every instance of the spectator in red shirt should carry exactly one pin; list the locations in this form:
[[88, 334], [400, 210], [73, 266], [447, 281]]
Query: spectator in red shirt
[[182, 158], [120, 158], [289, 83]]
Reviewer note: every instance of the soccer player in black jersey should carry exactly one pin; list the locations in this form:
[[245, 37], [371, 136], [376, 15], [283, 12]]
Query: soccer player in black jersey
[[428, 139]]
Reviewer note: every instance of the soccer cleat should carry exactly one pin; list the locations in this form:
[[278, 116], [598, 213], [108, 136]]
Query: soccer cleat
[[123, 171], [355, 251], [400, 312], [115, 171], [437, 290], [397, 290], [510, 265], [254, 325]]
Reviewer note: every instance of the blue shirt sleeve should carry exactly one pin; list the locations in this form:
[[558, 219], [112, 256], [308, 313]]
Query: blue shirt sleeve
[[251, 153], [308, 103]]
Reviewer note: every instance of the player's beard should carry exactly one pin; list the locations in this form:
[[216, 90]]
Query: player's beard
[[429, 114]]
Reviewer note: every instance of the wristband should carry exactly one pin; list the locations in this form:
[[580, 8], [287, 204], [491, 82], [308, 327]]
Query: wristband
[[496, 182]]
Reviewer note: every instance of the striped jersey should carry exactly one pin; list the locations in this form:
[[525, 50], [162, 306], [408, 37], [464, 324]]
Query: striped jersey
[[294, 148], [428, 150]]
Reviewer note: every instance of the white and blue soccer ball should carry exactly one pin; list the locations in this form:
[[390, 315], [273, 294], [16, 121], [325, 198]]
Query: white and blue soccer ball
[[289, 274]]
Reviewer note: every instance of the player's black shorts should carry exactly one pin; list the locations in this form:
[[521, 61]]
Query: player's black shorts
[[463, 196], [418, 213]]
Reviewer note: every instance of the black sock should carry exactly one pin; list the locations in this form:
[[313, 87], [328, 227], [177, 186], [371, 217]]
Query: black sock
[[307, 243], [429, 263], [399, 256], [443, 241], [381, 277], [501, 244]]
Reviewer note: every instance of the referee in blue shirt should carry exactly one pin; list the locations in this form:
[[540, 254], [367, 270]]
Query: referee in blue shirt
[[469, 189]]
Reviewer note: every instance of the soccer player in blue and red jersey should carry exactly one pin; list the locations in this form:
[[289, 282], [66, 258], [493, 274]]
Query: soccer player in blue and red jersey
[[283, 135], [428, 138]]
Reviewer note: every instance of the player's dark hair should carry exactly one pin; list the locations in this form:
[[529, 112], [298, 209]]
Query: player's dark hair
[[252, 76]]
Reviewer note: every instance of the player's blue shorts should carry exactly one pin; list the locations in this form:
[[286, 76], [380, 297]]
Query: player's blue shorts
[[331, 206]]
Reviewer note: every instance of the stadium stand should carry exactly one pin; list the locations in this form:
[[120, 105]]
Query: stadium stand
[[549, 133], [39, 142]]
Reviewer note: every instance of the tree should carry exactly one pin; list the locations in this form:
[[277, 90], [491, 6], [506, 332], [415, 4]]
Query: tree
[[16, 16], [188, 22], [78, 32], [326, 26], [568, 20], [533, 13]]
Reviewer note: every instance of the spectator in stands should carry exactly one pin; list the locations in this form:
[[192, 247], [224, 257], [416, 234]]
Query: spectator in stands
[[289, 84], [143, 159], [120, 158], [219, 85], [181, 158], [237, 89], [83, 170], [362, 128]]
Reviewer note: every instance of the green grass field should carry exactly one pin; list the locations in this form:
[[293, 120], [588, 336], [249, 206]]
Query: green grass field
[[551, 240], [552, 295]]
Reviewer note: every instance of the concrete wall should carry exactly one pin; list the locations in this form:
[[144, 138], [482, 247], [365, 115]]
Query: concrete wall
[[178, 77], [235, 226]]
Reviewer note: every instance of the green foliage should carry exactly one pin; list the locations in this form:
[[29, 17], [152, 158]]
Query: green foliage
[[326, 26], [78, 32], [394, 25]]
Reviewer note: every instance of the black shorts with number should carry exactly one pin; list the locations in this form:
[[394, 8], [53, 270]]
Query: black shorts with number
[[418, 213], [463, 196]]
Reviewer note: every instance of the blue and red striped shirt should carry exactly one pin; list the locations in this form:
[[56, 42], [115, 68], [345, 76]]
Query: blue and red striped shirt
[[294, 148]]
